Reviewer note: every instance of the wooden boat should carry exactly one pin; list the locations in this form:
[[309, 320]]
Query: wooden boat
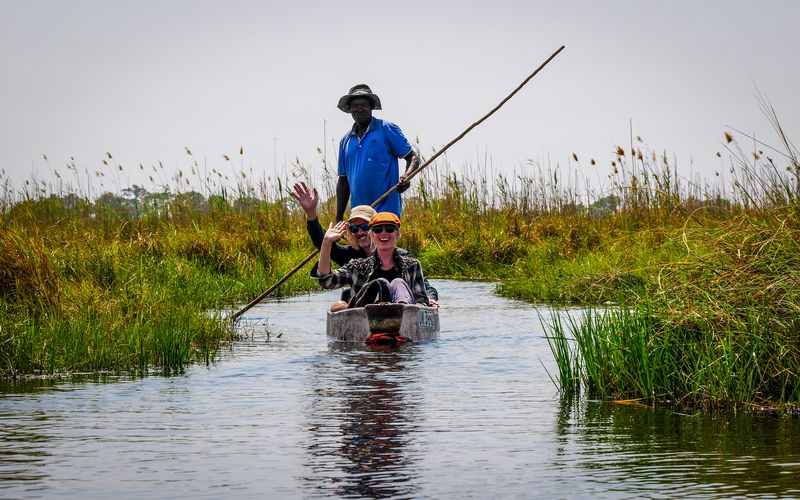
[[387, 322]]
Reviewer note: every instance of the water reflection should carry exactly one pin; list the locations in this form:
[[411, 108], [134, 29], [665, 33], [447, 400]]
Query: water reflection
[[24, 449], [471, 415], [361, 420], [25, 438], [630, 448]]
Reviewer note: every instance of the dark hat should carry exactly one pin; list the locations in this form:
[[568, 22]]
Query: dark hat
[[360, 90]]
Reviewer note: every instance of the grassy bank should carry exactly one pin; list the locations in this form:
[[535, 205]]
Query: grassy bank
[[109, 286], [718, 326], [695, 284]]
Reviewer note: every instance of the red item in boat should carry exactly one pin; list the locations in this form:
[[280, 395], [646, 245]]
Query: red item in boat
[[385, 338]]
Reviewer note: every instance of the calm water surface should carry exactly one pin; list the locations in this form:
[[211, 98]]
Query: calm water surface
[[285, 414]]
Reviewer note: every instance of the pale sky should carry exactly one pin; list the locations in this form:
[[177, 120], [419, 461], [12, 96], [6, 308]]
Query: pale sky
[[146, 79]]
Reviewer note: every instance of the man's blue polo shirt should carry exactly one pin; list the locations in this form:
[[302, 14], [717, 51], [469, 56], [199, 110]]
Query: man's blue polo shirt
[[370, 164]]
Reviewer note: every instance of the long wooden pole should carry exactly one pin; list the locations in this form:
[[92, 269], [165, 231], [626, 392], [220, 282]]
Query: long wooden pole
[[310, 256], [465, 132]]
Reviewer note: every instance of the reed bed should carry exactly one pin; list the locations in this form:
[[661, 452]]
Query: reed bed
[[115, 285], [692, 285], [713, 318]]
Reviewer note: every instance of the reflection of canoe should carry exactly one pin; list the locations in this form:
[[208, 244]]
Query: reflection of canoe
[[412, 322]]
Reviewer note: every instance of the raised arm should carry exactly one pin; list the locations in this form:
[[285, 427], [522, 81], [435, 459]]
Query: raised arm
[[308, 200], [332, 235]]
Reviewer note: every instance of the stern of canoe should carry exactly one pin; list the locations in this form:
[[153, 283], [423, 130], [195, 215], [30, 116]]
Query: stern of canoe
[[413, 322]]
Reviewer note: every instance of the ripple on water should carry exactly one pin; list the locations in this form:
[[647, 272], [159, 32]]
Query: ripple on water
[[286, 414]]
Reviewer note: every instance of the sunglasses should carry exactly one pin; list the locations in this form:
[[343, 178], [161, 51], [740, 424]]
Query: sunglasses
[[355, 227], [386, 227]]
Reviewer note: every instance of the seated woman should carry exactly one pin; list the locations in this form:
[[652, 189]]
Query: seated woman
[[386, 276], [360, 244]]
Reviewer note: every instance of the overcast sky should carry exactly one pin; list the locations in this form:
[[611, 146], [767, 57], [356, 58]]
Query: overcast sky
[[146, 79]]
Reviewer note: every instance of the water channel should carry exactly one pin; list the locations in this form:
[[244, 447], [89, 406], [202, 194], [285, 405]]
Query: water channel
[[285, 414]]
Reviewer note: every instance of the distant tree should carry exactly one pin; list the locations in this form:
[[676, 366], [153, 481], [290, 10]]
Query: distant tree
[[191, 200], [605, 206], [109, 200], [135, 192]]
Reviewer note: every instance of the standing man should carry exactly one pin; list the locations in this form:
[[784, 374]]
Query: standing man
[[368, 156]]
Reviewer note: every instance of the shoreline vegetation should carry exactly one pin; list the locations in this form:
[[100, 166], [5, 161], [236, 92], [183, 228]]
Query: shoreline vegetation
[[692, 287]]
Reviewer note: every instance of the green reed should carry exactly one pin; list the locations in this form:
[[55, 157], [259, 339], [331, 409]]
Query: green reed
[[712, 319], [630, 353], [106, 285], [696, 282]]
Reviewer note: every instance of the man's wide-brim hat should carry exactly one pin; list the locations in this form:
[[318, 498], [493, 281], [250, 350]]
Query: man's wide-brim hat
[[360, 90]]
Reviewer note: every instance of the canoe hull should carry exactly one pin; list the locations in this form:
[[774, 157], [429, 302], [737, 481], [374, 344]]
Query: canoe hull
[[413, 322]]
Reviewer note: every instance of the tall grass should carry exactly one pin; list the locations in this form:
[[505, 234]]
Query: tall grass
[[718, 324], [112, 284], [697, 280], [631, 353]]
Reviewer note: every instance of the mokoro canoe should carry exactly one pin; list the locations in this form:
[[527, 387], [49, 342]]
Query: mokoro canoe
[[411, 322]]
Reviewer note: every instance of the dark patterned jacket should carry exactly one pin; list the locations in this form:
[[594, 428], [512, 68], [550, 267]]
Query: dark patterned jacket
[[357, 272], [342, 254]]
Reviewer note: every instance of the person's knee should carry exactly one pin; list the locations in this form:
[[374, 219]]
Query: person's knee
[[339, 305]]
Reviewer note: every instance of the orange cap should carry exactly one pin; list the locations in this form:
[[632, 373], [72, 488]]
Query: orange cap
[[384, 218]]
